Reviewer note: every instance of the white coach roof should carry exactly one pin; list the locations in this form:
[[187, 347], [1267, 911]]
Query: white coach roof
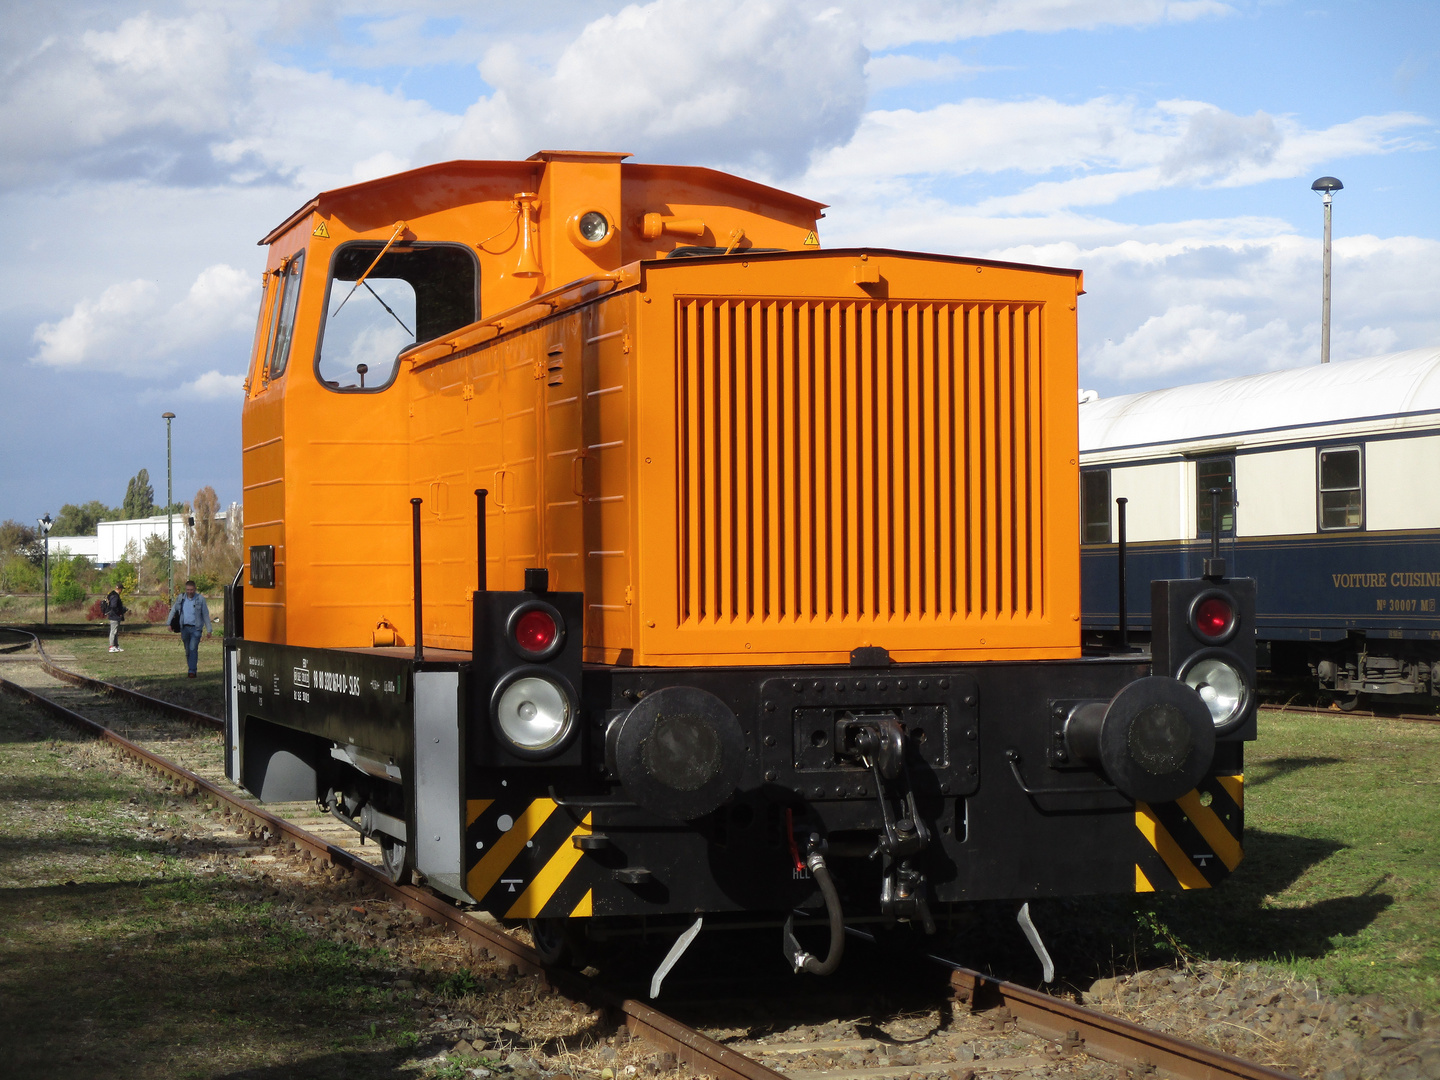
[[1377, 392]]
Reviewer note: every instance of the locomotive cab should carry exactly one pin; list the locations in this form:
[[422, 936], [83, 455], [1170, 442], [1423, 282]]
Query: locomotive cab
[[614, 550]]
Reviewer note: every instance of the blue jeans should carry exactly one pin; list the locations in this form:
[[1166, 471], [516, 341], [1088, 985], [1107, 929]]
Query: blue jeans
[[190, 635]]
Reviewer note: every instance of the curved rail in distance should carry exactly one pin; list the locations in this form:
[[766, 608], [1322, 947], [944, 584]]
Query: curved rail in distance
[[145, 701]]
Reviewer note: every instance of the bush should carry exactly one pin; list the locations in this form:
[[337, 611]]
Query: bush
[[64, 589], [18, 574], [96, 610], [124, 575], [158, 612], [67, 592]]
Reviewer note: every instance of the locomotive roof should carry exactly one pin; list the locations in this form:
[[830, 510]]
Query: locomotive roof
[[1378, 392], [387, 186]]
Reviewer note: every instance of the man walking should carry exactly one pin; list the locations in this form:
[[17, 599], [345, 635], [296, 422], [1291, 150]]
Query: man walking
[[194, 616], [115, 612]]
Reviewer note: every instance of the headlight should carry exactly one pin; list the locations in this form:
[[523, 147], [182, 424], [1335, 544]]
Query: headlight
[[1219, 685], [594, 227], [589, 228], [533, 713]]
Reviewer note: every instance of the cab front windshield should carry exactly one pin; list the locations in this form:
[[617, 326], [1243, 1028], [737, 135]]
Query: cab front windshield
[[413, 294]]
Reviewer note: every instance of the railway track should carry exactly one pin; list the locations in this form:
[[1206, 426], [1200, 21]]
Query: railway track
[[1320, 710], [1077, 1037]]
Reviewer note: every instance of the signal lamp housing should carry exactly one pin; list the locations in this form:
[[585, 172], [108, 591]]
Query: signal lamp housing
[[1204, 636], [527, 648]]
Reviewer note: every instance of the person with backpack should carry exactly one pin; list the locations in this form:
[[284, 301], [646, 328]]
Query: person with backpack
[[190, 615], [114, 610]]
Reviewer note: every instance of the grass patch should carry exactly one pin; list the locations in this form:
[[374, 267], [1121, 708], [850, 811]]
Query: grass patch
[[1340, 882], [123, 956], [153, 663]]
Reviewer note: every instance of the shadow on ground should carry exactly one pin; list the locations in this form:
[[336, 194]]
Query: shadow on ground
[[1091, 937]]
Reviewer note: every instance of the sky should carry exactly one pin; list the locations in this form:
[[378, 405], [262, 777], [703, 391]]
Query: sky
[[1165, 147]]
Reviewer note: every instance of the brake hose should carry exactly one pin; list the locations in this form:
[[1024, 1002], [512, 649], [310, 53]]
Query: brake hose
[[804, 961]]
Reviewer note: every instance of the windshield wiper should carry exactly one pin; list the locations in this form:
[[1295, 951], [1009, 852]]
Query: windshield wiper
[[386, 306]]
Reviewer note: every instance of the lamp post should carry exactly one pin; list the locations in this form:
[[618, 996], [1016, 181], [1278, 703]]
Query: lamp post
[[169, 504], [1327, 186], [45, 524]]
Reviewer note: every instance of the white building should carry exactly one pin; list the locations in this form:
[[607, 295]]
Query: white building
[[89, 546], [114, 536]]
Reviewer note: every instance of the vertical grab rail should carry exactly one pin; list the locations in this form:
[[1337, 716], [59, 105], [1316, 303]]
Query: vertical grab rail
[[1124, 607], [419, 619], [480, 494]]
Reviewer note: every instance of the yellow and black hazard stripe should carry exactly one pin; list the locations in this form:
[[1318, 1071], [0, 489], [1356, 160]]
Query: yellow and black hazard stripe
[[1193, 842], [523, 862]]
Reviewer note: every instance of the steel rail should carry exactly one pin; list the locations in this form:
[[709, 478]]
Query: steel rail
[[1321, 710], [695, 1049], [1103, 1036], [143, 700]]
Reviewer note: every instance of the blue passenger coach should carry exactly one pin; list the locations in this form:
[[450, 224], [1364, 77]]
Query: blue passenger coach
[[1329, 497]]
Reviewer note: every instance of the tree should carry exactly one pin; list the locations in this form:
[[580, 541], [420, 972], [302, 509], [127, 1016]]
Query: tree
[[17, 538], [82, 520], [155, 564], [206, 504], [139, 496], [214, 546]]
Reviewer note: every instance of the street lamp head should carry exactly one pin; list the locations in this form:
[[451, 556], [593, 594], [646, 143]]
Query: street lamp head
[[1327, 185], [171, 415]]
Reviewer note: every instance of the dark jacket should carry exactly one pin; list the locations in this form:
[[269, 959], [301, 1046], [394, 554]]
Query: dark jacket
[[114, 607]]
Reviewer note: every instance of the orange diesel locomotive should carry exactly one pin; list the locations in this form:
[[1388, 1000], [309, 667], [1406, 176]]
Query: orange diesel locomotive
[[615, 551]]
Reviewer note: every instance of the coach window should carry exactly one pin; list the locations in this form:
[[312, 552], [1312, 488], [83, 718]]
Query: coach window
[[1095, 506], [1341, 488], [1215, 473], [375, 310], [282, 322]]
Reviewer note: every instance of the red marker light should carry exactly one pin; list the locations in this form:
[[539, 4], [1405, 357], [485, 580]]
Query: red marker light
[[535, 631], [1214, 616]]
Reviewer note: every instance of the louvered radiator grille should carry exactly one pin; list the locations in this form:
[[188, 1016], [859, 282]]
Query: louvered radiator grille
[[858, 462]]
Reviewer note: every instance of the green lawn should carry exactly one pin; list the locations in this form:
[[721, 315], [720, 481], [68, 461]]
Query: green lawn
[[1340, 881], [153, 662], [127, 952], [1341, 878]]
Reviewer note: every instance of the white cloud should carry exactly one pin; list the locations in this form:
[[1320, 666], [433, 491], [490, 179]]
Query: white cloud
[[320, 131], [213, 386], [130, 330], [757, 84], [903, 22], [139, 99], [901, 69], [1192, 309], [1117, 148]]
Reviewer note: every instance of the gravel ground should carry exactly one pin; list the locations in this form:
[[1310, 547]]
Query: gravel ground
[[477, 1018], [1261, 1015]]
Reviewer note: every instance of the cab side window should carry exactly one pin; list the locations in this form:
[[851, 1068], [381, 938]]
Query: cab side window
[[378, 305], [282, 321]]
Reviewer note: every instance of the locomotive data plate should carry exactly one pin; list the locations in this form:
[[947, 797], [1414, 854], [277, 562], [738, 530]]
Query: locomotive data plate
[[339, 694]]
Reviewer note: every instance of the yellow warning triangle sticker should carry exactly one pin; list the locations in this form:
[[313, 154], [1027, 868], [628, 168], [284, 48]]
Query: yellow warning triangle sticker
[[324, 233], [811, 240]]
